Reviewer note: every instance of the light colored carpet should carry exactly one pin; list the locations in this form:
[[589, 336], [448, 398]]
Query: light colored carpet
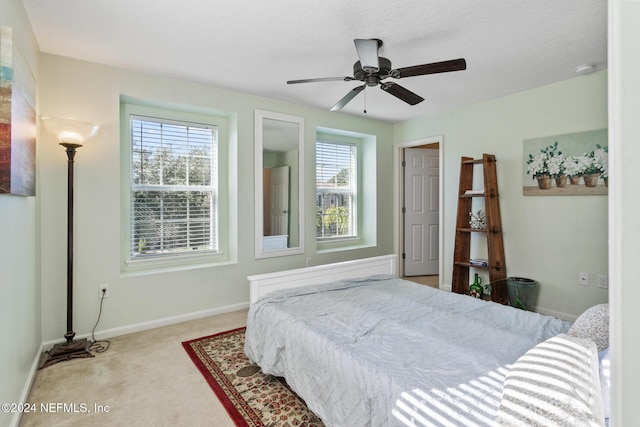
[[432, 281], [145, 379]]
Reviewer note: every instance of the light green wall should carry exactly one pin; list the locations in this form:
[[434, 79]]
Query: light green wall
[[88, 91], [549, 239], [19, 279]]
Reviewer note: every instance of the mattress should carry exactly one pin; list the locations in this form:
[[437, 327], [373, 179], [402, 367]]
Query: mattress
[[381, 351]]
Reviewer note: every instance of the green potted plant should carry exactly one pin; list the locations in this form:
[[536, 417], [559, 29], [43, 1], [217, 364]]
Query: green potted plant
[[557, 169], [601, 160], [573, 166], [539, 165], [593, 166]]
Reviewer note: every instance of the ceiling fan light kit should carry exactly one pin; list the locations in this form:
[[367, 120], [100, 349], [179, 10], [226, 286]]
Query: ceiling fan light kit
[[585, 69], [372, 69]]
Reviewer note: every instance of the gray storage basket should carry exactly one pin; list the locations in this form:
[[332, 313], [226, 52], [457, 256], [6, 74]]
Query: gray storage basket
[[522, 292]]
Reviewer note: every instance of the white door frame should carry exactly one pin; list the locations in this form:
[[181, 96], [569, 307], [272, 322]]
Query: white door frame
[[398, 184]]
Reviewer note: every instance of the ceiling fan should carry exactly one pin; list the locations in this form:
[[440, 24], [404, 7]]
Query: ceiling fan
[[373, 69]]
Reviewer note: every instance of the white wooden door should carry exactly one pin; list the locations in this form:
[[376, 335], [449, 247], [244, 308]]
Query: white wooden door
[[280, 201], [421, 211]]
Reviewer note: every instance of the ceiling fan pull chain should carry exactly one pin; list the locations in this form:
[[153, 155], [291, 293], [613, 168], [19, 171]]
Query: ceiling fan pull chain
[[365, 100]]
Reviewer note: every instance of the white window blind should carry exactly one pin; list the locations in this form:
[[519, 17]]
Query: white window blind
[[336, 190], [173, 188]]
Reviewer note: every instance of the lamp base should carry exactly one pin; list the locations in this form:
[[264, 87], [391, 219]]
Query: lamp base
[[62, 352]]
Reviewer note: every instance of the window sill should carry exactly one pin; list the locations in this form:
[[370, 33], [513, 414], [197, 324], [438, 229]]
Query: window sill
[[173, 263], [341, 245]]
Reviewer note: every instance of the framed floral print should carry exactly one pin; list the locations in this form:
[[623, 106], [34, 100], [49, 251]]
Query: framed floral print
[[569, 164]]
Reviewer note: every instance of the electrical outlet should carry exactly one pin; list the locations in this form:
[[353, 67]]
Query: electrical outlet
[[583, 279], [103, 287], [603, 281]]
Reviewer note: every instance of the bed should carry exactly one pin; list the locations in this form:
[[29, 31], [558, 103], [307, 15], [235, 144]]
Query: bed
[[365, 348]]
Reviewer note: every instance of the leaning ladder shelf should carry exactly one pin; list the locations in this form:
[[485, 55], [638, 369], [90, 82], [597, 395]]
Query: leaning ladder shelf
[[495, 248]]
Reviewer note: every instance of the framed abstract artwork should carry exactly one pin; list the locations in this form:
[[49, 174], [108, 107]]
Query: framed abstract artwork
[[17, 120], [569, 164]]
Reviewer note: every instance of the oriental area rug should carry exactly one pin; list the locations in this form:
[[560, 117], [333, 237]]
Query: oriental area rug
[[250, 397]]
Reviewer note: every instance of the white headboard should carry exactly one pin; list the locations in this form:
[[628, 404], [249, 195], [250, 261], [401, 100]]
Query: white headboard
[[262, 284]]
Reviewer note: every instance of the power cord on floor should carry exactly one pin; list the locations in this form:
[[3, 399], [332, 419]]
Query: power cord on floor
[[102, 345]]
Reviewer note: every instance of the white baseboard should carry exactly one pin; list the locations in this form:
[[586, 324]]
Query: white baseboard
[[557, 314], [15, 421], [445, 287], [153, 324]]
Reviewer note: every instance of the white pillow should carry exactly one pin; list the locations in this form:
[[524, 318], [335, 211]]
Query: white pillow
[[556, 383], [593, 324]]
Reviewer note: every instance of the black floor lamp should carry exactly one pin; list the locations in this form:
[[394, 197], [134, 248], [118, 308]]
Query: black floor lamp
[[71, 134]]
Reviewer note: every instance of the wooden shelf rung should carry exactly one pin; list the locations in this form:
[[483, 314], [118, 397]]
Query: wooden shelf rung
[[472, 230], [469, 265]]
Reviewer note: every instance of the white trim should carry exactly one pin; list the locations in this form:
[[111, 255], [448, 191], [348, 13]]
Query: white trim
[[623, 106], [557, 314], [262, 284], [15, 420], [130, 106], [153, 324], [436, 139], [206, 258]]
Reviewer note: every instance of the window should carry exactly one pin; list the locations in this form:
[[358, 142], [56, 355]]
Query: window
[[173, 206], [336, 190]]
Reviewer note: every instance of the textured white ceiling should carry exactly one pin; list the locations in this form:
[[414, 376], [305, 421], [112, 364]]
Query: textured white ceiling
[[254, 46]]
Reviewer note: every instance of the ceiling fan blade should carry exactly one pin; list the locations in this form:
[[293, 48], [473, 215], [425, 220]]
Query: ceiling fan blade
[[368, 54], [321, 79], [433, 68], [401, 93], [348, 97]]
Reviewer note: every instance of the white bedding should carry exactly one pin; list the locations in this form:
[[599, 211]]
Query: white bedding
[[382, 351]]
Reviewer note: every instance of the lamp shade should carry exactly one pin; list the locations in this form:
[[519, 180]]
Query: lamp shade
[[70, 131]]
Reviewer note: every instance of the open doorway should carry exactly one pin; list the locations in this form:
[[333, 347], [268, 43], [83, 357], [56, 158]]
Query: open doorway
[[420, 200]]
